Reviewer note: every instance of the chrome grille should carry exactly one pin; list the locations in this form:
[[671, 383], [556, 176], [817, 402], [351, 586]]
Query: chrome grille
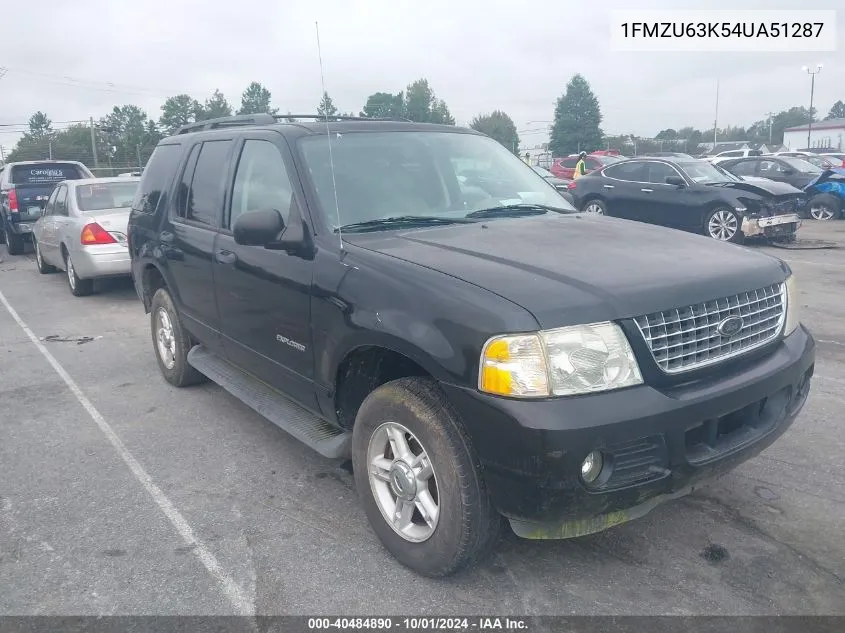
[[687, 338]]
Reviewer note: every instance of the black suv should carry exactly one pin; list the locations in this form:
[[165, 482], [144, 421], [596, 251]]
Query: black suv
[[478, 348]]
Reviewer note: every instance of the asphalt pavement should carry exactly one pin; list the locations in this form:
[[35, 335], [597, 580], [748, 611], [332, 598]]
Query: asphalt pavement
[[120, 494]]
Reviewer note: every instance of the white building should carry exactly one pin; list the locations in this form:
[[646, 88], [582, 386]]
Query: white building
[[824, 134]]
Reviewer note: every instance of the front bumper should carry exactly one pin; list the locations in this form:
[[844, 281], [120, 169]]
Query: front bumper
[[658, 443], [774, 226], [102, 261]]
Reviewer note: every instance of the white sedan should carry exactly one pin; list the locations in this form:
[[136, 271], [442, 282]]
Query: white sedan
[[82, 231]]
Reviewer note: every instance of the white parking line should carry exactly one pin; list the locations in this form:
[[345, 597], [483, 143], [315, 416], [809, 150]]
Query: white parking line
[[242, 603]]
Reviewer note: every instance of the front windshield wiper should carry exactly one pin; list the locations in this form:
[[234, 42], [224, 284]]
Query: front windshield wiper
[[400, 221], [514, 210]]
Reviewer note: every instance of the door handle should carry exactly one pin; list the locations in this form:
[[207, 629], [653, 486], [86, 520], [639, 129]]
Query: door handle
[[225, 257], [647, 190], [608, 186]]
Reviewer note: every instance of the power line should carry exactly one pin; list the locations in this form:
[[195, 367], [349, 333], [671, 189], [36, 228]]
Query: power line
[[104, 86]]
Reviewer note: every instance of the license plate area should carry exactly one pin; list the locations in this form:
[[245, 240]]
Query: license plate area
[[789, 218]]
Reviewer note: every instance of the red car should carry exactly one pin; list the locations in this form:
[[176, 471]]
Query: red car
[[565, 167]]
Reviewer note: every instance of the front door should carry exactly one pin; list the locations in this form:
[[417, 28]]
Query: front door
[[195, 216], [664, 204], [264, 295]]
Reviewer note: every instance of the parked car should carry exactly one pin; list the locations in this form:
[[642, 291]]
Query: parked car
[[794, 171], [565, 167], [474, 357], [827, 195], [668, 155], [822, 162], [733, 153], [836, 159], [83, 231], [693, 195], [24, 189]]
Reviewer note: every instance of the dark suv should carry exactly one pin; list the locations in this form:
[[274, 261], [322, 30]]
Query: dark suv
[[478, 348]]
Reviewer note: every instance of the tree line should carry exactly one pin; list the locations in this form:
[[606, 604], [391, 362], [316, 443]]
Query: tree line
[[124, 138], [577, 126]]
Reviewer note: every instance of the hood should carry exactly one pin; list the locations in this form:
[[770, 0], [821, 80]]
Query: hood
[[569, 269], [835, 173], [761, 186]]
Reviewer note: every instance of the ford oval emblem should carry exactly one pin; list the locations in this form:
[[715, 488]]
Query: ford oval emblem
[[730, 326]]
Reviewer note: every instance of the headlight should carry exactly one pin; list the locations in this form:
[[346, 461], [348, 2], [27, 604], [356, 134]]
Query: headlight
[[792, 319], [563, 362]]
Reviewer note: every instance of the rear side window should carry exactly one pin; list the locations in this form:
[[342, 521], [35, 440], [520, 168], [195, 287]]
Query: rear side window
[[744, 168], [632, 171], [44, 174], [205, 196], [158, 175], [569, 162]]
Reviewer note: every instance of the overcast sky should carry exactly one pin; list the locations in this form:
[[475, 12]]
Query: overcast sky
[[79, 59]]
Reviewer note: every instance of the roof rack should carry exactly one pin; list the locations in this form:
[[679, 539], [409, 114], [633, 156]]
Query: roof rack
[[227, 121], [336, 117]]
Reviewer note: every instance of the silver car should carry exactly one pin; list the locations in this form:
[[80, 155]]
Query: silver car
[[82, 231]]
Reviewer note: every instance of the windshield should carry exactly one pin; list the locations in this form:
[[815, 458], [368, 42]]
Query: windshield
[[419, 174], [107, 195], [799, 164], [706, 173]]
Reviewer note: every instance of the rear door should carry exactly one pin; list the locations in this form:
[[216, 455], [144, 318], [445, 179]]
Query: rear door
[[58, 226], [45, 230], [622, 189], [195, 216], [264, 296]]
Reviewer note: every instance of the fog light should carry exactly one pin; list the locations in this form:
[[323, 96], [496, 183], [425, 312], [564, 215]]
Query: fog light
[[591, 467]]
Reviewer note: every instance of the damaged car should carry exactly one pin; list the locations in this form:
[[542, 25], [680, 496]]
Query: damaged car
[[826, 195], [692, 195]]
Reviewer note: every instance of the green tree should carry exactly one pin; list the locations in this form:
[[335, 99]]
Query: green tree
[[178, 111], [216, 106], [499, 126], [667, 135], [40, 126], [326, 107], [423, 106], [256, 100], [384, 105], [795, 116], [837, 111], [577, 120]]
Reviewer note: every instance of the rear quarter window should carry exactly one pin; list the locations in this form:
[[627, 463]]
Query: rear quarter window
[[157, 178], [44, 174]]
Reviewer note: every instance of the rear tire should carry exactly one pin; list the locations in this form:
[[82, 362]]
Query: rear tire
[[78, 287], [466, 526], [14, 243], [825, 207], [171, 342], [596, 206], [43, 268], [724, 224]]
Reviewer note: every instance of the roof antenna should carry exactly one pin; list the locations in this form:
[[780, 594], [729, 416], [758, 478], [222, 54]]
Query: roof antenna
[[329, 136]]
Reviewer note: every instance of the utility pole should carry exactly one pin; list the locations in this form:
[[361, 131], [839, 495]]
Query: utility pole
[[94, 144], [716, 119], [50, 146], [812, 74], [138, 151], [771, 121]]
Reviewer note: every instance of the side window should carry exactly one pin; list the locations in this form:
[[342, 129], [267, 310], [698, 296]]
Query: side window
[[632, 171], [570, 162], [61, 201], [183, 191], [50, 207], [592, 164], [771, 167], [261, 181], [745, 168], [157, 178], [659, 172], [205, 196]]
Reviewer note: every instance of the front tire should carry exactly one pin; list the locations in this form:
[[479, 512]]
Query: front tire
[[43, 268], [724, 224], [825, 207], [419, 479], [172, 342]]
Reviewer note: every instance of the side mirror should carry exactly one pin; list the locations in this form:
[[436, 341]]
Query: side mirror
[[676, 180], [258, 228]]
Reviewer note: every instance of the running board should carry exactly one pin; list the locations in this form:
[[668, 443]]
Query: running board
[[325, 438]]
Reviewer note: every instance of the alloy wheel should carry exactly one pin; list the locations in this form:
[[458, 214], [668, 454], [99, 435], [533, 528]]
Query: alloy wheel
[[71, 274], [821, 212], [403, 482], [594, 208], [722, 225], [165, 338]]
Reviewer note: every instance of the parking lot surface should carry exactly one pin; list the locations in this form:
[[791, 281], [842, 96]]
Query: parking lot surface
[[120, 494]]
